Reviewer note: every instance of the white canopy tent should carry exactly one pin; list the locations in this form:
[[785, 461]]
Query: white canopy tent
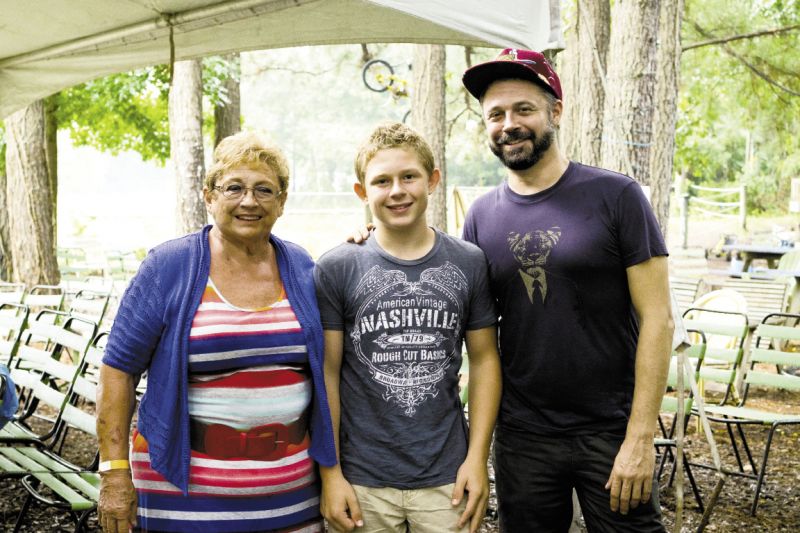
[[48, 45]]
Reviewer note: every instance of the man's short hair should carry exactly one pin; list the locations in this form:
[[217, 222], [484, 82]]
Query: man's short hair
[[247, 150], [393, 135]]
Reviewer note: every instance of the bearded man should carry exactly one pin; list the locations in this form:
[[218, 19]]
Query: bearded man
[[578, 268]]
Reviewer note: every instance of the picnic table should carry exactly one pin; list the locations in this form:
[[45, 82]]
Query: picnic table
[[751, 252]]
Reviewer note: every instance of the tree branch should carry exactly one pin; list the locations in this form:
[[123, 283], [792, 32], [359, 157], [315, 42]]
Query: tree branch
[[728, 50], [722, 40], [261, 69]]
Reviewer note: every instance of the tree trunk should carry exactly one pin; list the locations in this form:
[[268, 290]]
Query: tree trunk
[[5, 249], [227, 114], [186, 144], [631, 80], [668, 59], [428, 117], [33, 251], [568, 60], [594, 27], [51, 152]]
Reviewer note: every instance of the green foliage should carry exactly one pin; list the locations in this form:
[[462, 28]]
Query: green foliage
[[725, 108], [469, 161], [129, 111], [216, 70], [121, 112]]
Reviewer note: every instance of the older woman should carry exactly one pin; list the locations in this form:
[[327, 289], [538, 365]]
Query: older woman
[[225, 323]]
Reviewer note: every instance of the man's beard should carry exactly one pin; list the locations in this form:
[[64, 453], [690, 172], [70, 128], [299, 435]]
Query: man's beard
[[522, 158]]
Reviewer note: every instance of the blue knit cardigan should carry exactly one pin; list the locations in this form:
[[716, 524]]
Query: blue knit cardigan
[[151, 332]]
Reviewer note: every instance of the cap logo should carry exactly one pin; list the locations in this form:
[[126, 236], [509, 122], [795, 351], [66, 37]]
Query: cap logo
[[510, 55]]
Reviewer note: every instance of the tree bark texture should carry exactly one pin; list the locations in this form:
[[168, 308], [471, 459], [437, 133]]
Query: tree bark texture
[[186, 144], [5, 250], [227, 115], [662, 152], [33, 250], [428, 117], [51, 151], [630, 79], [568, 60], [594, 28]]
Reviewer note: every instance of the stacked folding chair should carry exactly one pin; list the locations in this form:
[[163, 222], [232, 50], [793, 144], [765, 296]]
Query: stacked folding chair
[[725, 333], [48, 367], [11, 292], [771, 349]]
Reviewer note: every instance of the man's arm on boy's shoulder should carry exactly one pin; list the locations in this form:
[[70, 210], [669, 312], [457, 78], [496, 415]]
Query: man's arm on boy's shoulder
[[631, 479], [339, 504], [484, 401]]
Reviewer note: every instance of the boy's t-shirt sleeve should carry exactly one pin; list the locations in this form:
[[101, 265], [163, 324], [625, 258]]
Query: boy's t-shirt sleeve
[[483, 312], [331, 304]]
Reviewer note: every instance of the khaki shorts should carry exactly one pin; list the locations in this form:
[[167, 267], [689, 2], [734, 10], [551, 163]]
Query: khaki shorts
[[388, 510]]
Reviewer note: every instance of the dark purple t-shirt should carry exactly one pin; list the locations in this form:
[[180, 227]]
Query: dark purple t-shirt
[[557, 267]]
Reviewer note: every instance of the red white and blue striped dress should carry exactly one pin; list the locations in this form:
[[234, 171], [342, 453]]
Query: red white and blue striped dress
[[231, 382]]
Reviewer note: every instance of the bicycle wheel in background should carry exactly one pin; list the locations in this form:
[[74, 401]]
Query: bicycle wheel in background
[[377, 75]]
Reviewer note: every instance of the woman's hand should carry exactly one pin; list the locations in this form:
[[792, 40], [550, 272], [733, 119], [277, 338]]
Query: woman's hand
[[117, 506], [115, 400]]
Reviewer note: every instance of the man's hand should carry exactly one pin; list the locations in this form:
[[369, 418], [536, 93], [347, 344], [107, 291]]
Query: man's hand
[[631, 479], [116, 508], [339, 503], [472, 477], [361, 234]]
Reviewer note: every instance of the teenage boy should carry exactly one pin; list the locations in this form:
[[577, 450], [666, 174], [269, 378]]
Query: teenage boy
[[395, 312]]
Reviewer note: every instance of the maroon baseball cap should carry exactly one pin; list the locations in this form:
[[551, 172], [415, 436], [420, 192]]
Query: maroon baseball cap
[[512, 63]]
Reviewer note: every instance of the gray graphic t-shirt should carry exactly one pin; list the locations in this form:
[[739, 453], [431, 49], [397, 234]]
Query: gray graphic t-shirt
[[402, 424]]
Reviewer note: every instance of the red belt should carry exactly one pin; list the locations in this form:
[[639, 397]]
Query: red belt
[[265, 443]]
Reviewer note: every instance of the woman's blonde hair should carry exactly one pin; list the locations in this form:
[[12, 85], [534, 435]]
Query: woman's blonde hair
[[393, 135], [247, 150]]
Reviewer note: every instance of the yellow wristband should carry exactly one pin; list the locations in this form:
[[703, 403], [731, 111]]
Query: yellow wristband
[[117, 464]]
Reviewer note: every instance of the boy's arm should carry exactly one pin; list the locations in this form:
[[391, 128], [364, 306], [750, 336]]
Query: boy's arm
[[484, 401], [339, 504]]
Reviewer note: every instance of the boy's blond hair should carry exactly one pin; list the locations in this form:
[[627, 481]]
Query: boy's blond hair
[[393, 135], [247, 150]]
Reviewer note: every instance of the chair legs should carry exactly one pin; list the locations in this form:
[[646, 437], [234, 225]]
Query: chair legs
[[667, 455], [747, 449], [79, 527], [762, 472], [22, 513], [692, 483], [695, 490]]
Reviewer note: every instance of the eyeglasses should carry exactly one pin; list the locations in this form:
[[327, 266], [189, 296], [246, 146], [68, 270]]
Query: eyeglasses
[[235, 191]]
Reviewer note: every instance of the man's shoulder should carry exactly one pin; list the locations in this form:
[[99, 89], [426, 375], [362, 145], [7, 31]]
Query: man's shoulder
[[600, 176]]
